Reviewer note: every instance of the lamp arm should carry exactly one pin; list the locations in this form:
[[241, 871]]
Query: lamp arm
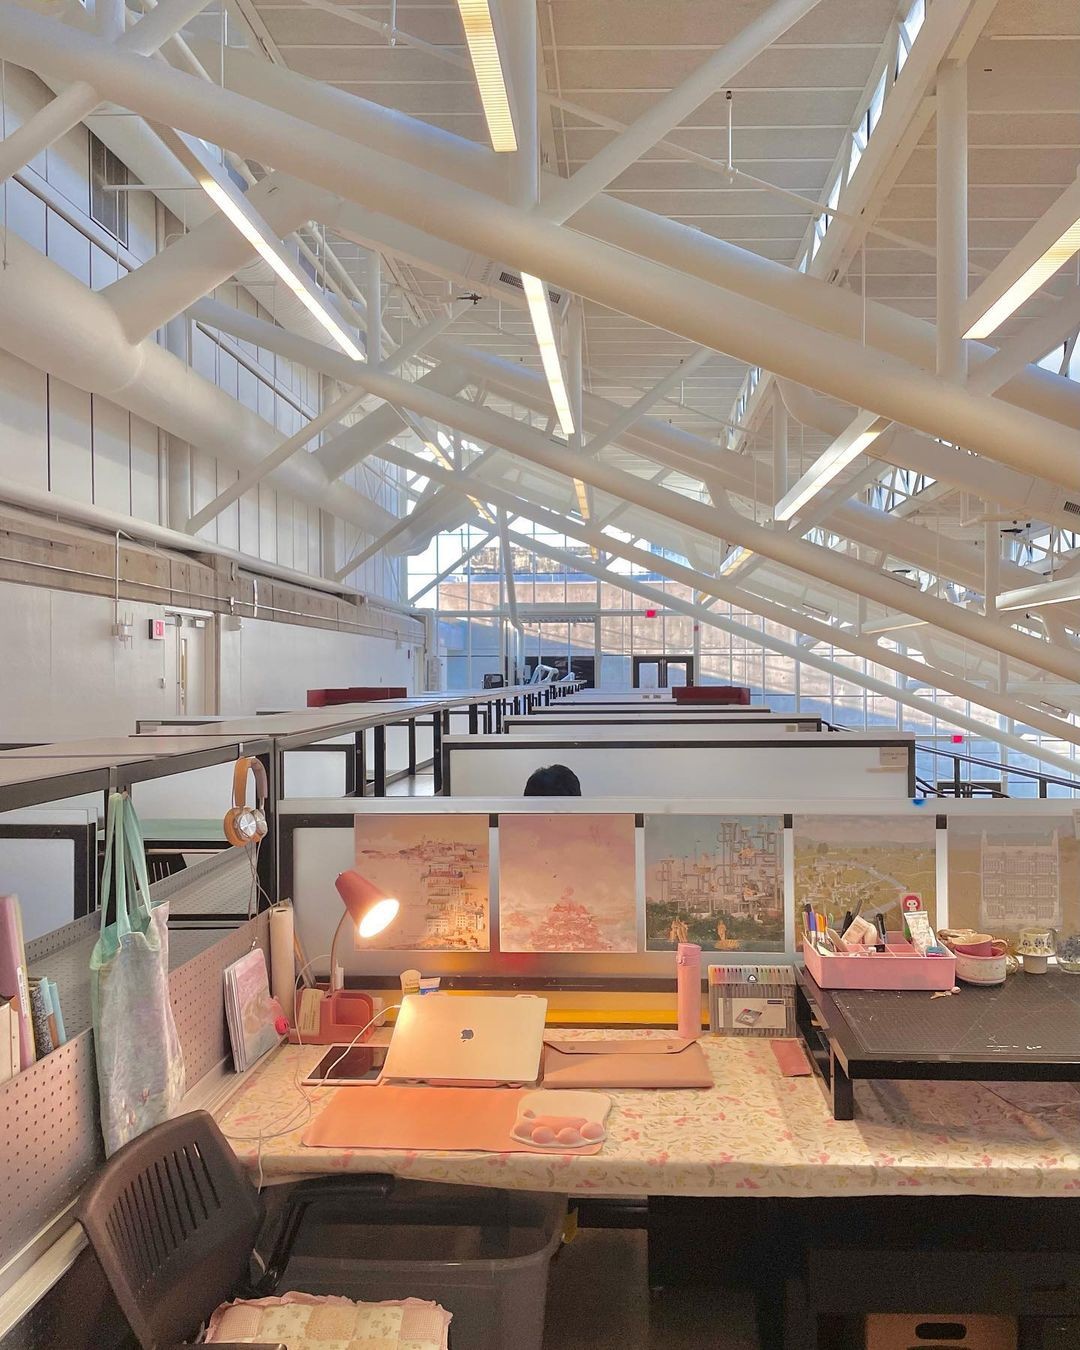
[[345, 919]]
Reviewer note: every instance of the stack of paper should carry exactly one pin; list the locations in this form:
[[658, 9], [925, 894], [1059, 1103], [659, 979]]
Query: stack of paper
[[250, 1011]]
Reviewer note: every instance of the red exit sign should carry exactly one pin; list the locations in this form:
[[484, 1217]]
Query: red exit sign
[[156, 630]]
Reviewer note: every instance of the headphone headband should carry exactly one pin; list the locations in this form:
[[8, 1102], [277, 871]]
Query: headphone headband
[[243, 766]]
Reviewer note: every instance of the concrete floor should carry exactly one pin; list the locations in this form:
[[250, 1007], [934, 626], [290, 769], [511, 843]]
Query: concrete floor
[[598, 1299]]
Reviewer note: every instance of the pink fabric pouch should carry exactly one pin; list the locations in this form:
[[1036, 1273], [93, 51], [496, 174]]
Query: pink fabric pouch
[[626, 1064]]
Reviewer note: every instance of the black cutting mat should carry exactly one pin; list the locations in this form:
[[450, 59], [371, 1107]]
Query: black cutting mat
[[1028, 1019]]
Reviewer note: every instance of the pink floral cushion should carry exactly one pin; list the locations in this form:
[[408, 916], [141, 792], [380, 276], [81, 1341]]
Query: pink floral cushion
[[306, 1322]]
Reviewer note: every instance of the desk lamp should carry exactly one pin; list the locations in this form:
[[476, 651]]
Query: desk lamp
[[343, 1012], [366, 907]]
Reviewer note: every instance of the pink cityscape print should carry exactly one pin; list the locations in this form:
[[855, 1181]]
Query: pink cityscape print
[[567, 883], [437, 867]]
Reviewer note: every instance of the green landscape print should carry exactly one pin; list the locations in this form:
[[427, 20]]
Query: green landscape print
[[841, 861], [714, 880]]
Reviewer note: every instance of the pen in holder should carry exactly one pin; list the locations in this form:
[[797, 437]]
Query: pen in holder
[[688, 984]]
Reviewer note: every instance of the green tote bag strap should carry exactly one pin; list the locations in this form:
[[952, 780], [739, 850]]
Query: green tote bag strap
[[135, 867], [114, 872]]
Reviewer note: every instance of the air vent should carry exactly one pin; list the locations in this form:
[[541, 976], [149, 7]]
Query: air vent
[[512, 279], [1073, 508]]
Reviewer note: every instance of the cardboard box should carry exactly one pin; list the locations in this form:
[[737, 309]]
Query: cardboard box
[[752, 1000], [940, 1331]]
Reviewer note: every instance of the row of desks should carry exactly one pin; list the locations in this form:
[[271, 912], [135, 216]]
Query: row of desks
[[35, 774]]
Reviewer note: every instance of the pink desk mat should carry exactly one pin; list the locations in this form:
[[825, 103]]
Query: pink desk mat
[[419, 1119]]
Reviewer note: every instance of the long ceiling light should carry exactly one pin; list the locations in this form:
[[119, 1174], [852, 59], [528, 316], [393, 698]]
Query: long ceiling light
[[214, 180], [1049, 243], [849, 445], [891, 622], [734, 560], [484, 52], [540, 313], [1062, 591]]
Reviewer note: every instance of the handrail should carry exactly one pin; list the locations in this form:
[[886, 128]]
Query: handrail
[[1005, 770]]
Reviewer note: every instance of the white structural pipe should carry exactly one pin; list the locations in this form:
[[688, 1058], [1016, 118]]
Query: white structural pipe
[[351, 447], [801, 296], [667, 445], [373, 301], [681, 450], [783, 547], [952, 217], [54, 322], [79, 99], [730, 592], [666, 113], [329, 415], [720, 319]]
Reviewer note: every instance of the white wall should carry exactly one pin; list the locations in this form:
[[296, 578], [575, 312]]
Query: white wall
[[268, 665], [63, 675], [61, 439]]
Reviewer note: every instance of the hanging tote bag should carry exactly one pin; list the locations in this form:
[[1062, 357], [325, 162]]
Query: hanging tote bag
[[140, 1065]]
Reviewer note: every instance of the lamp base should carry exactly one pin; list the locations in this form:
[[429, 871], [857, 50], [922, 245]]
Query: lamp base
[[341, 1015]]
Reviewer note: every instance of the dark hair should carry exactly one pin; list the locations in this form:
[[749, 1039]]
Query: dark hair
[[556, 780]]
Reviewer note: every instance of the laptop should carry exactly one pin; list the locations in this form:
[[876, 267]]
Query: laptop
[[467, 1040]]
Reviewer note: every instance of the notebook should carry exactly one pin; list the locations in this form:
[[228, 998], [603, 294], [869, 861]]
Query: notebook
[[13, 983], [468, 1039], [249, 1010]]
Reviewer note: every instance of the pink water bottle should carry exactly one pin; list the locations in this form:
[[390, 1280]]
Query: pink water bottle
[[688, 980]]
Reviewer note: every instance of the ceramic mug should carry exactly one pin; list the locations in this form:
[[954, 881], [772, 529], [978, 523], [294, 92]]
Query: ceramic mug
[[1037, 942], [975, 948], [989, 969]]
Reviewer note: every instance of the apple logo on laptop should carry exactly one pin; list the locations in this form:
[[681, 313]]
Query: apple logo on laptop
[[467, 1033]]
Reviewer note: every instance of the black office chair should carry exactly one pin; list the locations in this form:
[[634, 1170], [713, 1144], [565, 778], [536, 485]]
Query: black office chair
[[173, 1219]]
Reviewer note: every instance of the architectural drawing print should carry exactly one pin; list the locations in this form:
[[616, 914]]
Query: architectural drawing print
[[842, 862], [714, 880], [437, 866], [1013, 873], [567, 883]]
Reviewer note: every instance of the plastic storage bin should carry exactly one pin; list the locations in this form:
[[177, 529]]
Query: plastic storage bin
[[482, 1254]]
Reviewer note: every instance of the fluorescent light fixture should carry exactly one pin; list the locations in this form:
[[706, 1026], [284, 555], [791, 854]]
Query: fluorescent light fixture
[[487, 67], [863, 431], [540, 313], [891, 622], [734, 560], [1050, 242], [582, 498], [234, 206], [1061, 592], [1025, 286], [273, 253]]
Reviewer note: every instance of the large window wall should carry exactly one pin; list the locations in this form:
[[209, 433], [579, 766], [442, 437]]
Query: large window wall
[[459, 579]]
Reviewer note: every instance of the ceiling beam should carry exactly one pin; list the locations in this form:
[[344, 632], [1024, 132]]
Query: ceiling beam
[[566, 199], [719, 319]]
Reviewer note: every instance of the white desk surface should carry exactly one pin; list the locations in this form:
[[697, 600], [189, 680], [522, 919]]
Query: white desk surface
[[753, 1133]]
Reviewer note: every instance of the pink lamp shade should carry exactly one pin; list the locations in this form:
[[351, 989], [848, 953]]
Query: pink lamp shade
[[370, 910]]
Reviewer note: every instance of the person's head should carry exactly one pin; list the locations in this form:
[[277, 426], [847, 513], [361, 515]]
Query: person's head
[[556, 780]]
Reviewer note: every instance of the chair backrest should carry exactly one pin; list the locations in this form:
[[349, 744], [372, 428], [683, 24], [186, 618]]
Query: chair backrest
[[173, 1219]]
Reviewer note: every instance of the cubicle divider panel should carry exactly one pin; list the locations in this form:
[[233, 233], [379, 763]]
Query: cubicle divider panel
[[197, 989], [51, 1142], [859, 765], [49, 1119], [524, 728]]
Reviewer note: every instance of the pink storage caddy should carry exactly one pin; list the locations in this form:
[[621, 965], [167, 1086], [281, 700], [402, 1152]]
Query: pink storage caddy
[[900, 966]]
